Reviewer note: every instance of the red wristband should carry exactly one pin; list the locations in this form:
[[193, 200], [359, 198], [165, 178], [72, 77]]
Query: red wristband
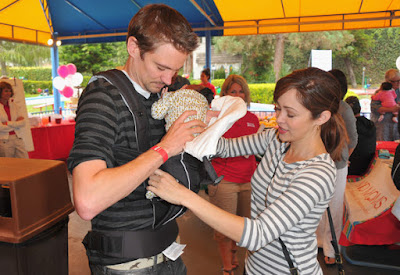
[[161, 151]]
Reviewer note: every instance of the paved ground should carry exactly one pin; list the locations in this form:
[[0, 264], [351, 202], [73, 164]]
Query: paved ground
[[201, 255]]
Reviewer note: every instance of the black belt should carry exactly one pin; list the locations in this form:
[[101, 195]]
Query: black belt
[[131, 244]]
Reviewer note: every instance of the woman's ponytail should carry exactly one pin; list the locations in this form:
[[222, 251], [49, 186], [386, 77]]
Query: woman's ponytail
[[334, 136]]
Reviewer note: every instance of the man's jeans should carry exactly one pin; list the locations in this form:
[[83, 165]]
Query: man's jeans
[[165, 268]]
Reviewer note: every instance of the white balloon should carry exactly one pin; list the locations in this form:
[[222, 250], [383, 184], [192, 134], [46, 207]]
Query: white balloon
[[398, 62], [59, 82], [77, 79], [69, 81]]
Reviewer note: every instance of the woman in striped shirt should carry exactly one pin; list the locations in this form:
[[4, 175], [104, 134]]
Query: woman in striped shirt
[[291, 186]]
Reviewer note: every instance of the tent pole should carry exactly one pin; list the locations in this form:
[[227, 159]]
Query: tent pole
[[54, 66], [208, 49]]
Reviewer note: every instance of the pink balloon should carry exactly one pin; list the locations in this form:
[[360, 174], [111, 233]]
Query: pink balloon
[[62, 71], [71, 68], [67, 91]]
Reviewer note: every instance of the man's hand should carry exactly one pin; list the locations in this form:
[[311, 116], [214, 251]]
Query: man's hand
[[181, 132]]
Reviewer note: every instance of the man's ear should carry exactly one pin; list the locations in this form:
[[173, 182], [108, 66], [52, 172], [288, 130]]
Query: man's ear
[[324, 117], [132, 46]]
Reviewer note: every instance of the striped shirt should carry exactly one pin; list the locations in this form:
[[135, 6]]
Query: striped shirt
[[104, 123], [287, 201]]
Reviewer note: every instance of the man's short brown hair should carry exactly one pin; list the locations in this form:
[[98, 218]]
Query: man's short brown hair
[[156, 24]]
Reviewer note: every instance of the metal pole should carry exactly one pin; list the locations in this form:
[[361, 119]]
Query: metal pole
[[363, 80], [54, 66], [208, 50]]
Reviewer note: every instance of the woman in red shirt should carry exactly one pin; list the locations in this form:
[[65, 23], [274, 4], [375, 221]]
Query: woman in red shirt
[[205, 78], [233, 193], [12, 122]]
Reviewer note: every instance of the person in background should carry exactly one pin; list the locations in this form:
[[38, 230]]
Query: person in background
[[336, 204], [396, 167], [364, 152], [233, 193], [386, 130], [205, 80], [12, 122], [110, 170], [387, 96], [293, 183]]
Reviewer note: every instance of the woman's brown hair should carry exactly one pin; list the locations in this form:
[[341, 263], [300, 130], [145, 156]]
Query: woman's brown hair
[[316, 90], [6, 85]]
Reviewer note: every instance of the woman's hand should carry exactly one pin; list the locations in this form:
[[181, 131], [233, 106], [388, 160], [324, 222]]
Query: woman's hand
[[166, 187], [210, 114]]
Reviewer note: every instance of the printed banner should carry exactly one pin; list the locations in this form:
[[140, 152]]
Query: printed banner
[[367, 198]]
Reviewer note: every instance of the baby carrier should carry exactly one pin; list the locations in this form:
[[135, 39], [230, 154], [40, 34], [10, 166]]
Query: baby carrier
[[188, 170]]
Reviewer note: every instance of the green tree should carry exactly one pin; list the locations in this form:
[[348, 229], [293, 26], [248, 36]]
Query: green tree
[[300, 45], [257, 52], [92, 58], [20, 54], [353, 54], [383, 54]]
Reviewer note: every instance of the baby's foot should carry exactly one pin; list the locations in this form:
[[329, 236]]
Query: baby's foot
[[380, 118], [394, 119]]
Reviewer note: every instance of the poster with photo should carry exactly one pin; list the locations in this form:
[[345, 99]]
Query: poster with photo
[[19, 98]]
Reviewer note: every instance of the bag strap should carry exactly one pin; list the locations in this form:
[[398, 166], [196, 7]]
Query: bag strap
[[133, 102], [338, 257], [293, 270]]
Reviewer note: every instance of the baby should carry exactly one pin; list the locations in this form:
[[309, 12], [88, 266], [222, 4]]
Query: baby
[[386, 95], [172, 104]]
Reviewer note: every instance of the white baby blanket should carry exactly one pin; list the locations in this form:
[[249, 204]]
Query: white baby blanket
[[231, 109]]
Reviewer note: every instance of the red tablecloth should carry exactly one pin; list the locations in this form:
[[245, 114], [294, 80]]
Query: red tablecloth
[[388, 145], [53, 141]]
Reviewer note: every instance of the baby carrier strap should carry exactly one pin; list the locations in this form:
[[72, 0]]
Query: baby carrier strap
[[130, 245], [132, 101], [183, 167]]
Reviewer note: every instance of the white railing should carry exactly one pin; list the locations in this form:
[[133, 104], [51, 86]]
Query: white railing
[[45, 104]]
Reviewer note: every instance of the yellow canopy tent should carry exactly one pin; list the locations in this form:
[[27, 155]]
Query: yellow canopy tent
[[35, 21], [285, 16], [96, 21], [25, 21]]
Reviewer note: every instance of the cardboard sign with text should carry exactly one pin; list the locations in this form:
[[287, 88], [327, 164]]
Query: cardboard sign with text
[[368, 197]]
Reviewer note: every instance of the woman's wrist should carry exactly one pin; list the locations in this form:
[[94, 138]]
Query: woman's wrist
[[187, 197]]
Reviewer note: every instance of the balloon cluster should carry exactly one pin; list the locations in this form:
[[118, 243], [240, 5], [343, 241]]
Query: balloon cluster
[[67, 79]]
